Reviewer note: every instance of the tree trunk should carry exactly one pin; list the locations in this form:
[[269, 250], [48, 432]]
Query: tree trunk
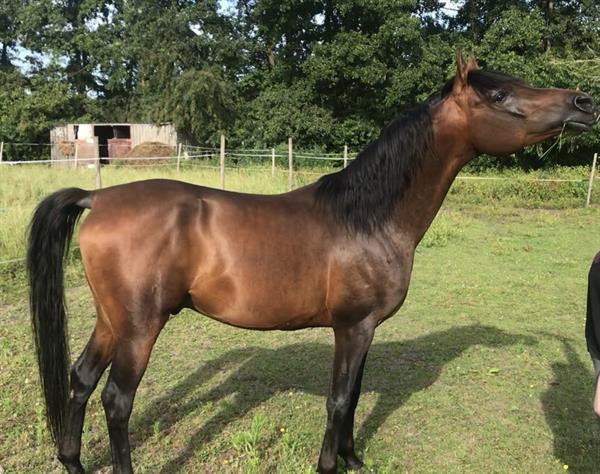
[[549, 9], [4, 57], [270, 56]]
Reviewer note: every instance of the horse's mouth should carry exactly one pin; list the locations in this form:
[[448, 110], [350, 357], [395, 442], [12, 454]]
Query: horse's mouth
[[578, 127]]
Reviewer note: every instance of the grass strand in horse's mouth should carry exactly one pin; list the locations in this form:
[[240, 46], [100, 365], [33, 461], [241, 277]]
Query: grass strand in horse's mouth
[[558, 142]]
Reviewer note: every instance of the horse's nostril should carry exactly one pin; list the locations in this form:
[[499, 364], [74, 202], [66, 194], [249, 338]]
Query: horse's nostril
[[585, 103]]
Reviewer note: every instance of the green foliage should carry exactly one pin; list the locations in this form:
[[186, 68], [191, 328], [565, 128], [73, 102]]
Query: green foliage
[[8, 30], [511, 44], [200, 103], [328, 72], [279, 112], [29, 107]]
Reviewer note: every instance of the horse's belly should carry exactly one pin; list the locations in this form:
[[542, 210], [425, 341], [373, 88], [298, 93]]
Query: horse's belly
[[261, 323], [260, 303]]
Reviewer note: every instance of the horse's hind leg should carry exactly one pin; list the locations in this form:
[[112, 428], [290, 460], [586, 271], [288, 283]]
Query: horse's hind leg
[[85, 373], [130, 358]]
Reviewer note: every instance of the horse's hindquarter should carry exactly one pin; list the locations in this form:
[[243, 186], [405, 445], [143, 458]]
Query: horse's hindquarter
[[135, 249]]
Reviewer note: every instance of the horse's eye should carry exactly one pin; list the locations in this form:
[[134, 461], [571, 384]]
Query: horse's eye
[[499, 96]]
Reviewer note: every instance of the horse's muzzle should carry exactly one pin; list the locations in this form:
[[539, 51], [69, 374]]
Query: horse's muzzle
[[585, 115], [586, 104]]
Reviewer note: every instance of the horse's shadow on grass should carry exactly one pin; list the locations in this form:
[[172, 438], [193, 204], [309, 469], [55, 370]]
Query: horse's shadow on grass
[[567, 404], [394, 370]]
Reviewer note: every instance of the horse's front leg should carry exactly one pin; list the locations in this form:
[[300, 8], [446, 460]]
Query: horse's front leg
[[346, 446], [351, 346]]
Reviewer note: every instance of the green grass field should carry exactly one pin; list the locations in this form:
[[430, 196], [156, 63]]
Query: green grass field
[[484, 369]]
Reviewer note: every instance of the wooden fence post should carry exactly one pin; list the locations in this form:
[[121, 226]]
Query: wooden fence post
[[222, 161], [345, 155], [272, 162], [98, 175], [76, 156], [1, 150], [591, 182], [290, 165], [178, 156]]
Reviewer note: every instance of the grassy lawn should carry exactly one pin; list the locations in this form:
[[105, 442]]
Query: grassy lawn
[[484, 369]]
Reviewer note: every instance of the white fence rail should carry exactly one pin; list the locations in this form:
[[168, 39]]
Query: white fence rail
[[196, 156], [185, 153]]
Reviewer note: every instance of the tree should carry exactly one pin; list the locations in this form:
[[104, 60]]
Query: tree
[[8, 30], [29, 108], [328, 72]]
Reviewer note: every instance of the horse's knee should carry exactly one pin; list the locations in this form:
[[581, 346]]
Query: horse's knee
[[338, 406]]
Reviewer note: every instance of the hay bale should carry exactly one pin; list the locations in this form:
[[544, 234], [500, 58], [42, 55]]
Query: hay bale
[[147, 150], [66, 148], [151, 150]]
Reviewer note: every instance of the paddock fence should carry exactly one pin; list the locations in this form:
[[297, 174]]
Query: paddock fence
[[273, 162], [222, 158], [288, 161]]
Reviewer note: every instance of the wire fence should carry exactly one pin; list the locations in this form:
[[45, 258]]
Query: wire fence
[[93, 155], [207, 157], [297, 162], [290, 162]]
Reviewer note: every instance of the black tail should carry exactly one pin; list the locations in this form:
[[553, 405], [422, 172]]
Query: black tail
[[50, 233]]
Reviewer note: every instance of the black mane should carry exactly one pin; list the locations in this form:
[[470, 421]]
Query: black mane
[[484, 81], [363, 195]]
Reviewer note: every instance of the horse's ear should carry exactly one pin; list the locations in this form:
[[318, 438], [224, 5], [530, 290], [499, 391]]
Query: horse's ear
[[460, 80], [472, 62], [461, 67], [462, 70]]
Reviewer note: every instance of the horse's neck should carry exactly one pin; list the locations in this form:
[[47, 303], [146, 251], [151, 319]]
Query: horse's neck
[[449, 153]]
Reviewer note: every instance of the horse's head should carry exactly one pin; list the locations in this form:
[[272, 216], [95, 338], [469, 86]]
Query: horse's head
[[503, 114]]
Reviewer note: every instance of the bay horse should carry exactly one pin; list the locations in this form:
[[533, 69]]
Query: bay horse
[[337, 253]]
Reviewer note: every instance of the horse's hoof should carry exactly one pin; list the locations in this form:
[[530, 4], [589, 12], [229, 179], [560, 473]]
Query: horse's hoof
[[72, 466], [353, 463], [327, 470]]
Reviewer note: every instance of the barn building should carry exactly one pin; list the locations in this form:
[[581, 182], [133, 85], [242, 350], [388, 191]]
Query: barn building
[[84, 141]]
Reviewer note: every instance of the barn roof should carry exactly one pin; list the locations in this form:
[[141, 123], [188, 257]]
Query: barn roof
[[112, 124]]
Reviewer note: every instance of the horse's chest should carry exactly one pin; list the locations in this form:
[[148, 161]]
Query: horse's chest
[[373, 285]]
